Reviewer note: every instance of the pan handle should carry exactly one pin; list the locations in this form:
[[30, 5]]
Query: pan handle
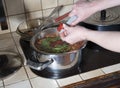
[[39, 66]]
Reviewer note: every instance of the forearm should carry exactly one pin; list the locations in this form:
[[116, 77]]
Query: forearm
[[108, 40], [99, 5]]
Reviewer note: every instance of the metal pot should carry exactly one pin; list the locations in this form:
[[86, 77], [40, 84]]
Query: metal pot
[[53, 61]]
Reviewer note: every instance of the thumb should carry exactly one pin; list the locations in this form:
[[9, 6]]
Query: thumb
[[66, 27], [76, 22]]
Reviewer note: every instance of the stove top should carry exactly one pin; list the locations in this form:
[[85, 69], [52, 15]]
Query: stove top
[[93, 57]]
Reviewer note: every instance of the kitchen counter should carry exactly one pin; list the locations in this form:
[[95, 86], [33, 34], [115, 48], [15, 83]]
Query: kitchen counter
[[25, 78]]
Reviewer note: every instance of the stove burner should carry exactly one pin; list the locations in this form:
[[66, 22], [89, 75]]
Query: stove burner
[[110, 17], [3, 61], [9, 63], [104, 18], [48, 73]]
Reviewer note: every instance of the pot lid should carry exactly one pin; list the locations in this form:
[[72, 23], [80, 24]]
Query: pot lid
[[9, 63], [105, 17]]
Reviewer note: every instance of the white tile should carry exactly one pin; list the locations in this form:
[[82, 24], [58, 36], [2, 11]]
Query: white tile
[[7, 43], [66, 9], [30, 73], [46, 12], [69, 80], [4, 31], [112, 68], [9, 49], [17, 41], [1, 83], [49, 4], [14, 7], [23, 84], [15, 21], [40, 82], [34, 15], [15, 34], [91, 74], [16, 38], [17, 77], [32, 5], [65, 2]]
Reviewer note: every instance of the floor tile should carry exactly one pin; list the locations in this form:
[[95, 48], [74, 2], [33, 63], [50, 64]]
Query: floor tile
[[23, 84], [91, 74], [69, 80], [40, 82], [111, 68], [30, 73], [17, 77]]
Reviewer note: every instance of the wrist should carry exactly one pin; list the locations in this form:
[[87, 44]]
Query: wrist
[[87, 34]]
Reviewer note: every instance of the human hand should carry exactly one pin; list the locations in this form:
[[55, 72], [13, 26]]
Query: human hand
[[82, 9], [73, 34]]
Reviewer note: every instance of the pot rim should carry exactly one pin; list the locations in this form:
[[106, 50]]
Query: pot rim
[[32, 41]]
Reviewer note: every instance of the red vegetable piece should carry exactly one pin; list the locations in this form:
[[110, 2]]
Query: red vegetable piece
[[60, 27]]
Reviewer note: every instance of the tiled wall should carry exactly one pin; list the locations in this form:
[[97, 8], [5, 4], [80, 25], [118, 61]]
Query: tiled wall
[[18, 11]]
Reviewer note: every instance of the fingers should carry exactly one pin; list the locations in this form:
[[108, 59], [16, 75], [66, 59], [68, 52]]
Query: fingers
[[64, 32]]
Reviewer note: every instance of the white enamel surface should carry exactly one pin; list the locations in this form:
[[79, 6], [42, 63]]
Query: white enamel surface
[[1, 83], [17, 77], [15, 21]]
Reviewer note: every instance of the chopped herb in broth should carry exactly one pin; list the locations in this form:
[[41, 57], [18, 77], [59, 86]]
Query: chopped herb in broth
[[56, 45], [53, 45]]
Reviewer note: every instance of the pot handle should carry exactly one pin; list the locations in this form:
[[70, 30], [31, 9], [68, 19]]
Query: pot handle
[[39, 66]]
